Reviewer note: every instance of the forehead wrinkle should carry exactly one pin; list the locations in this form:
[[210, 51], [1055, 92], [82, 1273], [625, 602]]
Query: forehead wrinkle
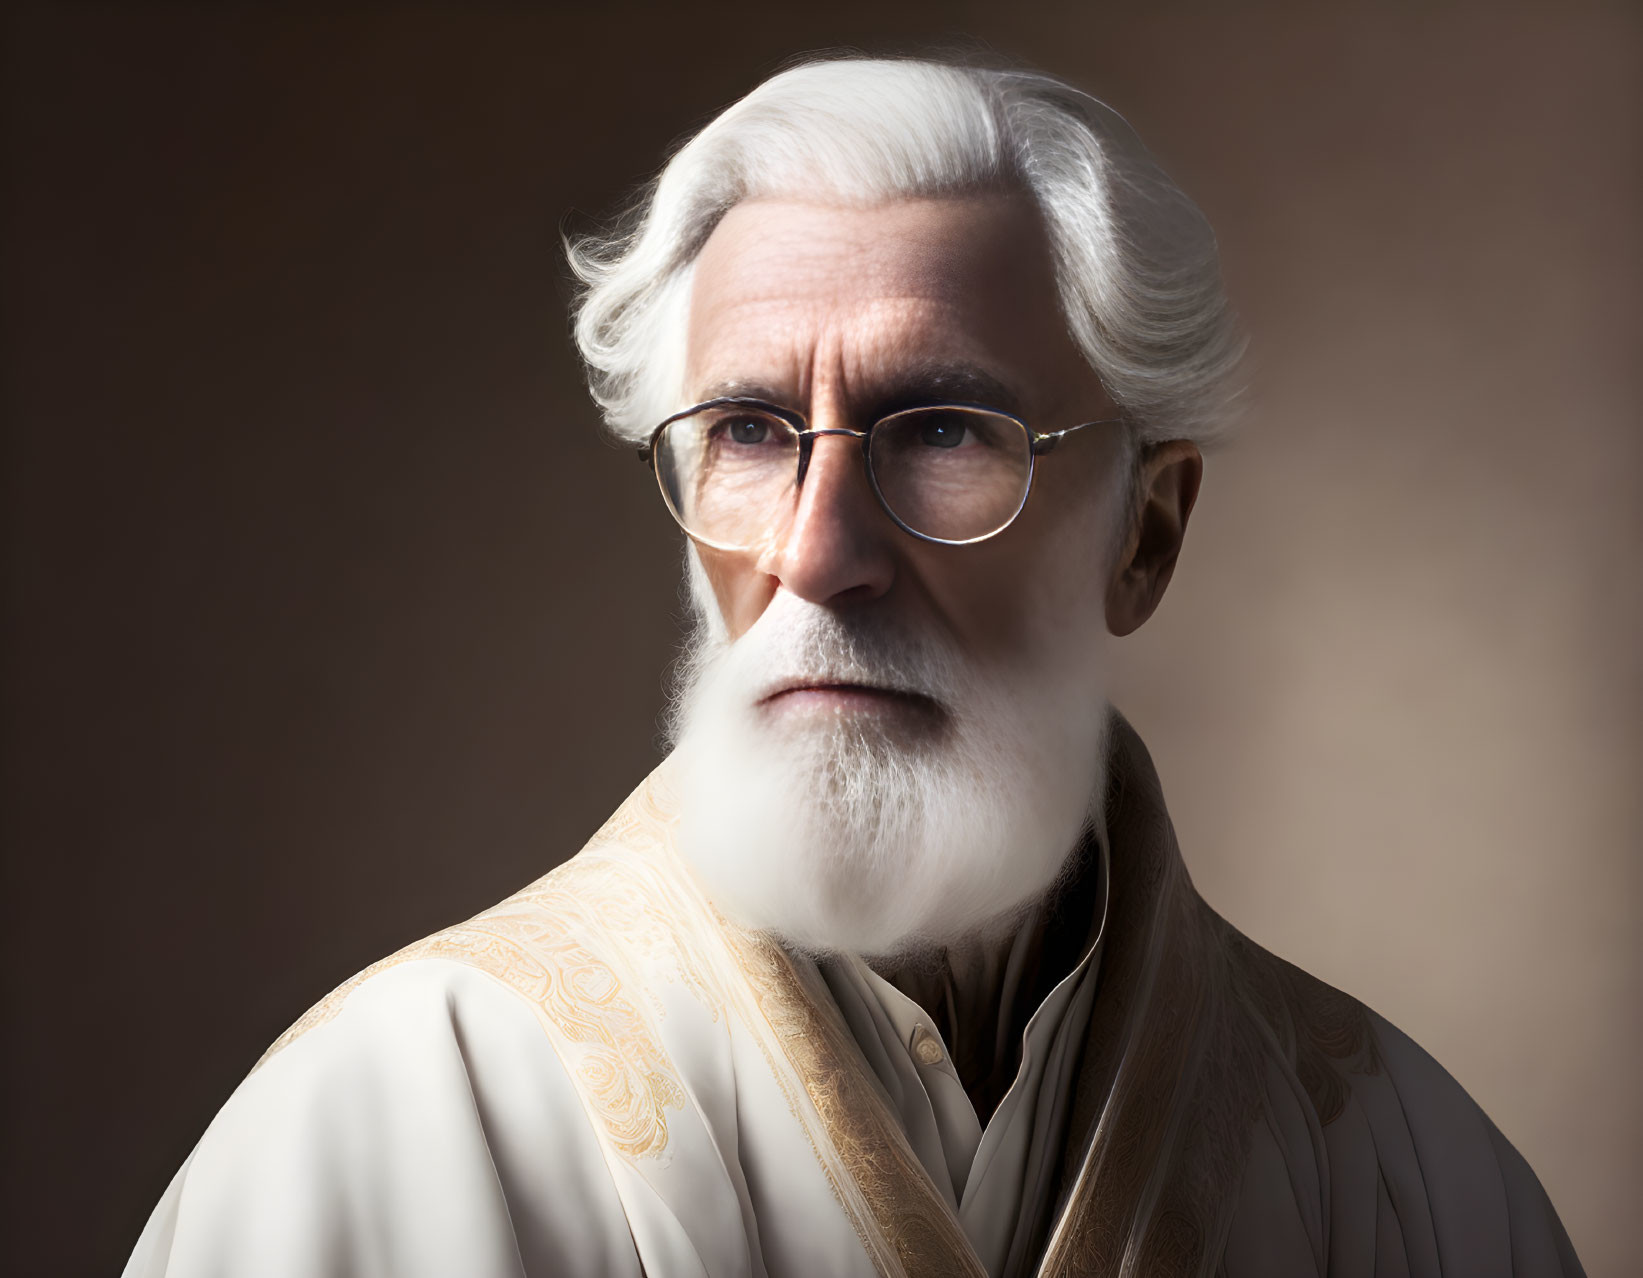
[[915, 362], [889, 352], [848, 311], [751, 347]]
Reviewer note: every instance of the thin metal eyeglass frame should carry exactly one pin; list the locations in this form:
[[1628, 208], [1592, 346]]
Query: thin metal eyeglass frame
[[1040, 443]]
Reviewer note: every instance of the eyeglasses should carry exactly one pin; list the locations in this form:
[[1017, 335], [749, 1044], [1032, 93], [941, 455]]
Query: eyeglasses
[[730, 470]]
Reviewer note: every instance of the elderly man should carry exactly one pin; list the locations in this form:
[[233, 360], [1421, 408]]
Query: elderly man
[[893, 966]]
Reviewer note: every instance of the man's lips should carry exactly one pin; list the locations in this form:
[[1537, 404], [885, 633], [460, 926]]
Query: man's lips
[[846, 695]]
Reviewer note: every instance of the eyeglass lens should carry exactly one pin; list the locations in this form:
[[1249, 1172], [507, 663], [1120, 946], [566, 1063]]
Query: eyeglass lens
[[952, 473]]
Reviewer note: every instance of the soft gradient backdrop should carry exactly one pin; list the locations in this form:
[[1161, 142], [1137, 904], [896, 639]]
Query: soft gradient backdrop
[[330, 619]]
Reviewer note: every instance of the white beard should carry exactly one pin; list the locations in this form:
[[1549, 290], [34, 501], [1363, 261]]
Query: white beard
[[878, 836]]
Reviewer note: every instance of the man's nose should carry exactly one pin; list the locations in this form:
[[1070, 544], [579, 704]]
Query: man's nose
[[839, 543]]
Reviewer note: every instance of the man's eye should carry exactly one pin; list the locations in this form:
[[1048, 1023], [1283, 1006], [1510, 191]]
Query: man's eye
[[942, 432], [747, 430]]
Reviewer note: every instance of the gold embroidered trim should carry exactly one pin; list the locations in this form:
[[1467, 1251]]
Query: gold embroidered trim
[[903, 1222], [626, 902], [907, 1210], [533, 943]]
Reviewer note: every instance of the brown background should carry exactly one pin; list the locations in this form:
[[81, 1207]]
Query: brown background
[[330, 618]]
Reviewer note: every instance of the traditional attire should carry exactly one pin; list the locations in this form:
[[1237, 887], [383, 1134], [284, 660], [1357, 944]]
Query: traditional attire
[[602, 1076]]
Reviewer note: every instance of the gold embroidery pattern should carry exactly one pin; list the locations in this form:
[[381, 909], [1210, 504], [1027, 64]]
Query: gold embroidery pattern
[[907, 1210], [860, 1148], [627, 913], [534, 944], [622, 1066], [645, 822], [1188, 1014], [618, 894]]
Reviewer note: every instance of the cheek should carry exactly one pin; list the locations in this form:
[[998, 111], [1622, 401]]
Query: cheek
[[739, 588], [1011, 609], [1038, 588]]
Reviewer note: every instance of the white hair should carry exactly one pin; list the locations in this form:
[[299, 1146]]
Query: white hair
[[1135, 261]]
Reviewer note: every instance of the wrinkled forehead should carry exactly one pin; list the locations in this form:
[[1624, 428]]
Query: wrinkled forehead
[[793, 294]]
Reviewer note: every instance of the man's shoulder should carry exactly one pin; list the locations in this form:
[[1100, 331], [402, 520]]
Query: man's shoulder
[[1350, 1095], [390, 1129], [1337, 1048], [573, 940]]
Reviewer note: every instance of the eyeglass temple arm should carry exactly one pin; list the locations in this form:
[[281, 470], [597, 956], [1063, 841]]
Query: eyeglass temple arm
[[1046, 442]]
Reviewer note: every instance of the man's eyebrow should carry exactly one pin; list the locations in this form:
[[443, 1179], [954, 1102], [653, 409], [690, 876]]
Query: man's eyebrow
[[936, 382], [904, 388], [743, 388]]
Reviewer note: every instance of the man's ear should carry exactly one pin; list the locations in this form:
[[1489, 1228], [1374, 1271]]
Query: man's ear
[[1167, 483]]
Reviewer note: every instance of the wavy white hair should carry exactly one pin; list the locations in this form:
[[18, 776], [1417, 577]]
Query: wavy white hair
[[1136, 262]]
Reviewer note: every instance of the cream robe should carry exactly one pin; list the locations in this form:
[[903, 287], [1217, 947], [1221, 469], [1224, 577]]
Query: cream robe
[[600, 1076]]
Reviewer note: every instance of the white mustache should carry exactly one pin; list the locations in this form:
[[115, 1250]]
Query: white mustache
[[797, 644]]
